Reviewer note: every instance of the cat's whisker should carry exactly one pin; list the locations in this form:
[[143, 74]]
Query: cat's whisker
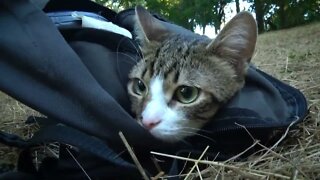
[[118, 46], [197, 129], [188, 132], [185, 142], [175, 137], [137, 50], [134, 45], [118, 68], [133, 62], [197, 134]]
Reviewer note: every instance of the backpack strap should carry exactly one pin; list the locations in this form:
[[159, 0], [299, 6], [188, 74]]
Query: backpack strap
[[86, 145], [66, 135]]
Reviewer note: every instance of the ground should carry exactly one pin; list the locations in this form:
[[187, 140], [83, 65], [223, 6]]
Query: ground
[[291, 55]]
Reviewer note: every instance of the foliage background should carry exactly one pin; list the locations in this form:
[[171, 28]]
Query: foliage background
[[270, 14]]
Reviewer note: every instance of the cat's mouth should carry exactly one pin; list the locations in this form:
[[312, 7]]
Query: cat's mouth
[[167, 135], [170, 132], [173, 134]]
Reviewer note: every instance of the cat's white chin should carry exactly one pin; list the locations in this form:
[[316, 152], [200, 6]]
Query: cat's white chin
[[167, 136], [173, 133]]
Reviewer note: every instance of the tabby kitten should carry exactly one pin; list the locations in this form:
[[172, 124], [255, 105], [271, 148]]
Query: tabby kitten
[[183, 79]]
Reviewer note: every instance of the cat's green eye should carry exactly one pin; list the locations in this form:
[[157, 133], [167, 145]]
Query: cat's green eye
[[186, 94], [139, 87]]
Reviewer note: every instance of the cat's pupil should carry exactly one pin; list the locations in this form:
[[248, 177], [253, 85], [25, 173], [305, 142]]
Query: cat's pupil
[[139, 87], [187, 94]]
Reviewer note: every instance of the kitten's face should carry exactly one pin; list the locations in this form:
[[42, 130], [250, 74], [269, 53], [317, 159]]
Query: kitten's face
[[182, 80]]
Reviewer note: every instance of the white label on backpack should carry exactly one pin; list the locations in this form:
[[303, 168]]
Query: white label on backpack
[[108, 26]]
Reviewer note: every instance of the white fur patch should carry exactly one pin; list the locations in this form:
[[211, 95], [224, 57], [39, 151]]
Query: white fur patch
[[157, 105], [157, 109], [173, 125]]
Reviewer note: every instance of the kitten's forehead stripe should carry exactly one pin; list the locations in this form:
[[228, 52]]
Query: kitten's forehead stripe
[[171, 68], [176, 76], [151, 68], [144, 72], [172, 57], [157, 52]]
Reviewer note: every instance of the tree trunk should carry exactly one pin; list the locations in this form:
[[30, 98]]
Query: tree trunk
[[203, 29], [220, 15], [258, 5], [282, 15], [237, 6], [216, 30]]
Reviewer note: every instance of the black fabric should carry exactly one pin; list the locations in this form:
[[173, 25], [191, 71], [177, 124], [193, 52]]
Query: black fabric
[[79, 5], [66, 19], [17, 175], [50, 77], [77, 78]]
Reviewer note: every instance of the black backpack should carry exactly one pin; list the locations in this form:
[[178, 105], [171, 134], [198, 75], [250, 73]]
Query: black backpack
[[77, 78]]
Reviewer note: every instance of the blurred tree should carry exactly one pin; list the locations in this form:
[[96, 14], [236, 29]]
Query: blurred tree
[[205, 13], [259, 7], [237, 6], [276, 14], [191, 13], [289, 13], [119, 5], [270, 14], [130, 3], [181, 12], [218, 13]]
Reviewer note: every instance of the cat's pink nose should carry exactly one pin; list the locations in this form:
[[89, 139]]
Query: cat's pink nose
[[150, 123]]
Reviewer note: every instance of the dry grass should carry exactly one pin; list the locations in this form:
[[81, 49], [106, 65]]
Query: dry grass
[[291, 55], [12, 117]]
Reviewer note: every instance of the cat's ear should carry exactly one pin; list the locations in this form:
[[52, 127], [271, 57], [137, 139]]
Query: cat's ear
[[149, 27], [236, 41]]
